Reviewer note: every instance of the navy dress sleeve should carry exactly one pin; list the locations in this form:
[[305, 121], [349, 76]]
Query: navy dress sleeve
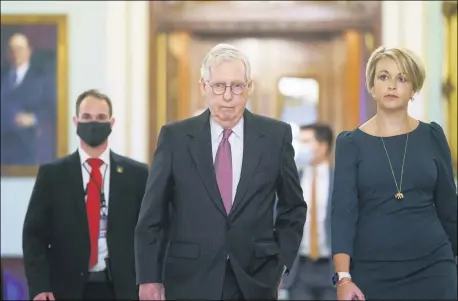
[[445, 194], [345, 195]]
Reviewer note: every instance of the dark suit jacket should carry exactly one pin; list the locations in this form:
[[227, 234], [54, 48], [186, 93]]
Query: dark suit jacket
[[36, 94], [198, 233], [289, 279], [56, 241]]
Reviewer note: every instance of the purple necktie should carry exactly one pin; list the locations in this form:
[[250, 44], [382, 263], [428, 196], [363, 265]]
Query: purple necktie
[[223, 169]]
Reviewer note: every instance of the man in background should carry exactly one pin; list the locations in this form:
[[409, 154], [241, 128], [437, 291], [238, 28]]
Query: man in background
[[309, 279], [28, 107], [78, 236]]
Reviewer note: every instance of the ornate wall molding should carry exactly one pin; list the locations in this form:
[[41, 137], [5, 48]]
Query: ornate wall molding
[[254, 17], [449, 8]]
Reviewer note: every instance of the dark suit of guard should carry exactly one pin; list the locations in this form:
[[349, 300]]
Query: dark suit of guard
[[202, 238], [56, 241]]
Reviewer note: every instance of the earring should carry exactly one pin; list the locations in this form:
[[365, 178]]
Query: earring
[[373, 95]]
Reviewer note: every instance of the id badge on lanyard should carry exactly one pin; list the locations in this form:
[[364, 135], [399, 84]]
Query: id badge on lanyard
[[103, 223]]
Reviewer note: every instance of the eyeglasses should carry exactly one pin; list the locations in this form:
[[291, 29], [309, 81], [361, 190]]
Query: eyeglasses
[[220, 88]]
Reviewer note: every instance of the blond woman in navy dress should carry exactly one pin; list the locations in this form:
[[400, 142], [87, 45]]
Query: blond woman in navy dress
[[394, 213]]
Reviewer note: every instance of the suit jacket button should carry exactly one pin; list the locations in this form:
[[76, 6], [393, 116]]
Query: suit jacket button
[[82, 274]]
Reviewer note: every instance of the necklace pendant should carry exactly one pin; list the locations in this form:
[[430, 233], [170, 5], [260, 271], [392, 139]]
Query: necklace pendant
[[399, 195]]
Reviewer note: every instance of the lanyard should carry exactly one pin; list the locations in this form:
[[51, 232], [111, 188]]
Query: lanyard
[[103, 203]]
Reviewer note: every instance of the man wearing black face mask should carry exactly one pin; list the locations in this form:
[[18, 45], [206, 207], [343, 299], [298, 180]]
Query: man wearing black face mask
[[78, 236]]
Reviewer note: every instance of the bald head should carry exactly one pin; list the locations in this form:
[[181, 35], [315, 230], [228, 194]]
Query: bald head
[[20, 50]]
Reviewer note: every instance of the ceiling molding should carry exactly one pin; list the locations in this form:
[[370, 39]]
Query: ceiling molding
[[300, 16]]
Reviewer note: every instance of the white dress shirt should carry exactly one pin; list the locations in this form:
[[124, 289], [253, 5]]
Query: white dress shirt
[[322, 202], [236, 141], [21, 71], [105, 170]]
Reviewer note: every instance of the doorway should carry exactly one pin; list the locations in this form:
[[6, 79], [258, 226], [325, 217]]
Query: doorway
[[273, 60], [328, 53]]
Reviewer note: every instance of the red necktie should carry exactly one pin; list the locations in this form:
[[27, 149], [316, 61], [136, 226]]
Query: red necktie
[[93, 207]]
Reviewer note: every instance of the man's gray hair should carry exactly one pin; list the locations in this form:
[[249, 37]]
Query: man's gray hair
[[220, 53]]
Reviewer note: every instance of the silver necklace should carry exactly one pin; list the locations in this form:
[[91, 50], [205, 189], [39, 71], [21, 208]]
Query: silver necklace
[[399, 195]]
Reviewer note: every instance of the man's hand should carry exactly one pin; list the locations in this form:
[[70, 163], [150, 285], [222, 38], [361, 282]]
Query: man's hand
[[44, 297], [347, 291], [152, 291], [25, 119]]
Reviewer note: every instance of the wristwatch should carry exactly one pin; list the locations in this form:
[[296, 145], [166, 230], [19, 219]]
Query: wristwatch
[[338, 276]]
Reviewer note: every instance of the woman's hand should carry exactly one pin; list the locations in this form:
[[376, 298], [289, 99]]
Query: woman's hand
[[348, 291]]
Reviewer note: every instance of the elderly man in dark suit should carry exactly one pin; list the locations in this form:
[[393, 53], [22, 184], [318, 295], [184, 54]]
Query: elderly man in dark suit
[[309, 279], [206, 227]]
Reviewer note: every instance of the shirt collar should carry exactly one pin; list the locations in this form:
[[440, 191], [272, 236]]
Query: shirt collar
[[22, 69], [105, 156], [217, 130], [322, 168]]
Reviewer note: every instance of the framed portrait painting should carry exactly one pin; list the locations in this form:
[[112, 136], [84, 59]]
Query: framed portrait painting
[[34, 97]]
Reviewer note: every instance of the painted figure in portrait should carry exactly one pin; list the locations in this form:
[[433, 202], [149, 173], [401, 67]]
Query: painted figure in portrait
[[28, 94]]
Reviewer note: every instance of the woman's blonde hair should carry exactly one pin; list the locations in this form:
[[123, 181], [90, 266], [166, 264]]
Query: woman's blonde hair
[[406, 60]]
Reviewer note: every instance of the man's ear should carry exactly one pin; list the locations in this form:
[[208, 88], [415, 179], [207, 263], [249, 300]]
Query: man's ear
[[250, 87], [112, 121], [75, 120], [202, 85]]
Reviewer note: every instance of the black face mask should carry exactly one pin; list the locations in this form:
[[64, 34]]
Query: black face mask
[[94, 133]]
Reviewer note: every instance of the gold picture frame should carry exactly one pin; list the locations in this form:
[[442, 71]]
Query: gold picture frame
[[47, 73], [449, 86]]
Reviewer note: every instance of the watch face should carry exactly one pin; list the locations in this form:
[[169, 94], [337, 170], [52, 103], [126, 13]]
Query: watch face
[[335, 279]]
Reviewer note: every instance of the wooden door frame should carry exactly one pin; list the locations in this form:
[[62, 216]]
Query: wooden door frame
[[157, 69], [449, 85], [154, 103]]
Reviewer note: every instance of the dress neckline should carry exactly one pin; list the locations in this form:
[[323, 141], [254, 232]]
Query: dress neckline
[[394, 136]]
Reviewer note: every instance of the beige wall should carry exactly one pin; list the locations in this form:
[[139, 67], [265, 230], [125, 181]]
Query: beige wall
[[108, 51]]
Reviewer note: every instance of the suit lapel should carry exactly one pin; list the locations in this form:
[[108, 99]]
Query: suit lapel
[[252, 153], [200, 148], [116, 184], [76, 186]]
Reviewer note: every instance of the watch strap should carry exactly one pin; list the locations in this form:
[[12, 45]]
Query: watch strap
[[343, 275], [339, 276]]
